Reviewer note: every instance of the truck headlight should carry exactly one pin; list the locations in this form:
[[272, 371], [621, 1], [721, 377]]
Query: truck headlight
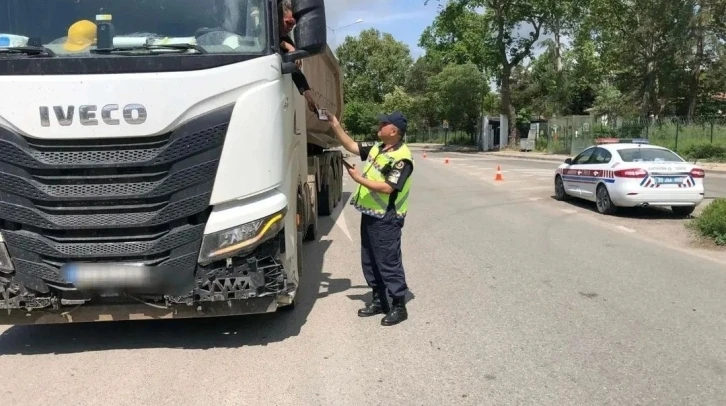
[[226, 243]]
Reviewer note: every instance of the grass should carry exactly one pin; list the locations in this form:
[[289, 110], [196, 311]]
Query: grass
[[702, 138], [711, 223]]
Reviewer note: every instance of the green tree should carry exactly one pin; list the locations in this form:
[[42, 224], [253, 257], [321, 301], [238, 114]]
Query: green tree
[[502, 51], [426, 107], [372, 64], [645, 45], [360, 118], [460, 91], [399, 100]]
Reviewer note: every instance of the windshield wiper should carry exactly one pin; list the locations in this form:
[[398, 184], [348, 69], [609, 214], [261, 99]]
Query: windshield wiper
[[28, 50], [180, 47]]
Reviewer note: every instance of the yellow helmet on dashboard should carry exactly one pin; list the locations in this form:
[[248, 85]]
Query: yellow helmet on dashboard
[[81, 35]]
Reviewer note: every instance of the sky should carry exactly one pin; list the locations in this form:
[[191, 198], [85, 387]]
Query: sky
[[404, 19]]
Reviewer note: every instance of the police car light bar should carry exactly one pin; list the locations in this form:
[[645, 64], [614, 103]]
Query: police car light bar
[[635, 141], [621, 141]]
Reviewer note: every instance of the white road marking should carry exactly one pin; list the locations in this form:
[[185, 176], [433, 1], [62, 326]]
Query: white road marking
[[534, 199], [339, 216], [568, 211], [626, 229]]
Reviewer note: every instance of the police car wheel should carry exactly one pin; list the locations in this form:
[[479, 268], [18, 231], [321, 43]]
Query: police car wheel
[[560, 193], [603, 202]]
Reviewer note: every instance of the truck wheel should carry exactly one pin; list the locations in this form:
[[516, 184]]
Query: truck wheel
[[312, 231], [334, 185], [325, 197], [339, 184]]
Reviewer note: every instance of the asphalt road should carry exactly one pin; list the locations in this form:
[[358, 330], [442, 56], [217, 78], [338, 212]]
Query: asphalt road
[[516, 299]]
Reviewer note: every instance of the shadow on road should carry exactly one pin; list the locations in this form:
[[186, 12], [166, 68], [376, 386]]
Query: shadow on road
[[224, 332], [642, 213]]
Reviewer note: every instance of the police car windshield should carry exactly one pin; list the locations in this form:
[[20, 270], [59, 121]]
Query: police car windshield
[[73, 28], [648, 155]]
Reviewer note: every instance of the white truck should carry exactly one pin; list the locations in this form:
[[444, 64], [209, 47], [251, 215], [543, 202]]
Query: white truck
[[156, 159]]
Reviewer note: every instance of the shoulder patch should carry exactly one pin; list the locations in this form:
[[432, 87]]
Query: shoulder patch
[[400, 165]]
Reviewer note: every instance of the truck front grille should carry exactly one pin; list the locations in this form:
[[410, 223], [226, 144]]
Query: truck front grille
[[135, 200]]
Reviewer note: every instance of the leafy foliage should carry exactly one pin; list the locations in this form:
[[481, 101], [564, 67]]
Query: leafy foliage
[[616, 59], [373, 64], [711, 223]]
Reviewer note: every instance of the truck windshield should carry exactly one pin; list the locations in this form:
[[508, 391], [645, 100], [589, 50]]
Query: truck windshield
[[75, 28]]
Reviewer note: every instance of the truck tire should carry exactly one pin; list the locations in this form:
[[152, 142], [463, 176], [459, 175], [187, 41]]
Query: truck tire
[[336, 181], [311, 232], [325, 197], [339, 183]]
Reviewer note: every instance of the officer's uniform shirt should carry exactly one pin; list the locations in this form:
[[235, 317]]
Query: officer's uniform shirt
[[398, 174]]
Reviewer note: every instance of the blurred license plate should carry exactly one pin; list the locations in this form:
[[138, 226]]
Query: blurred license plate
[[106, 276], [668, 180]]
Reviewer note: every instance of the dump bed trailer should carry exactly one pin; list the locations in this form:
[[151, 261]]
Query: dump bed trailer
[[324, 158]]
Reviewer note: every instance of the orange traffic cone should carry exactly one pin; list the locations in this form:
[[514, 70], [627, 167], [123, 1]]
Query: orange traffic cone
[[498, 176], [424, 155], [446, 161]]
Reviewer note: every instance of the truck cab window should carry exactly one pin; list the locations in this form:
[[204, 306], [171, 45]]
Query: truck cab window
[[73, 28]]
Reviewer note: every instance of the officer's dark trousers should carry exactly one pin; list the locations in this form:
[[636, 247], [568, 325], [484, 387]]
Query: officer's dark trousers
[[381, 254]]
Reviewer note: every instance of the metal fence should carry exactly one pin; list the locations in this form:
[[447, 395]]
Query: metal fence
[[570, 135], [432, 135]]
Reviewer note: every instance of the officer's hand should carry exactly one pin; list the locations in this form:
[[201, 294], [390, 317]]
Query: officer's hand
[[333, 120], [353, 172]]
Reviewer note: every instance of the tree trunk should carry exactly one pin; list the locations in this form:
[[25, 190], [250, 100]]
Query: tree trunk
[[697, 62], [558, 51], [650, 91], [507, 107]]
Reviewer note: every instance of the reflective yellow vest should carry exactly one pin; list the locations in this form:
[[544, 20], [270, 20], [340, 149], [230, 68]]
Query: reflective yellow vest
[[373, 203]]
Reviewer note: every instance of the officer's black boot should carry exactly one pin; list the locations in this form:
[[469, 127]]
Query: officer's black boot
[[397, 314], [378, 305]]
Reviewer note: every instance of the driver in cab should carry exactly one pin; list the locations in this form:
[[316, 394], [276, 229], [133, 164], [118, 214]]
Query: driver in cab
[[286, 23]]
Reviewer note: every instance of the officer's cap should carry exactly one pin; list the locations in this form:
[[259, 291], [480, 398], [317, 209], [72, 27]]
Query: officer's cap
[[396, 118]]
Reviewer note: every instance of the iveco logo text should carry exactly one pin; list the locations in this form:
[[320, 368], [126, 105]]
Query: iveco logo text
[[134, 114]]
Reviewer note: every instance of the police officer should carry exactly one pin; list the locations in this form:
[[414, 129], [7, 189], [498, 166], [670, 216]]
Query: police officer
[[382, 198]]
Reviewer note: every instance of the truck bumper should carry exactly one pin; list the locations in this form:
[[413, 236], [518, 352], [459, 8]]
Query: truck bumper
[[98, 313], [255, 283]]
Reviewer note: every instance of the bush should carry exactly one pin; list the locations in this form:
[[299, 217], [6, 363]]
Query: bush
[[705, 151], [711, 223]]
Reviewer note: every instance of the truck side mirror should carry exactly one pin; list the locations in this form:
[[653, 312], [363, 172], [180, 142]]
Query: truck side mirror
[[311, 32]]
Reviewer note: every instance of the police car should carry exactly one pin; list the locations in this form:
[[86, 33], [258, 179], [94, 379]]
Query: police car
[[630, 173]]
